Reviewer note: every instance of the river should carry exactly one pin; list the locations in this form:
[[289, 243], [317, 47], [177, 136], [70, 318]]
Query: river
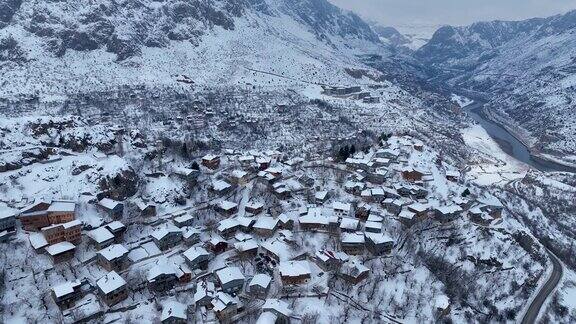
[[510, 144]]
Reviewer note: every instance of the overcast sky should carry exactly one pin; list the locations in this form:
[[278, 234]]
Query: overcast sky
[[452, 12]]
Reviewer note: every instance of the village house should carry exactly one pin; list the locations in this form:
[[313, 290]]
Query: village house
[[393, 206], [480, 217], [279, 308], [174, 312], [146, 209], [162, 277], [191, 235], [452, 175], [225, 306], [421, 210], [285, 221], [330, 260], [265, 226], [349, 225], [246, 223], [352, 243], [167, 237], [226, 208], [254, 207], [70, 231], [114, 257], [112, 289], [354, 187], [407, 217], [246, 249], [373, 227], [217, 244], [259, 285], [61, 252], [411, 174], [276, 249], [197, 257], [239, 177], [354, 272], [37, 241], [204, 293], [7, 223], [66, 294], [114, 209], [321, 197], [183, 220], [44, 214], [263, 162], [447, 213], [294, 272], [228, 227], [186, 174], [101, 237], [117, 229], [231, 279], [221, 187], [377, 176], [318, 218], [211, 161], [246, 161], [379, 243], [363, 210]]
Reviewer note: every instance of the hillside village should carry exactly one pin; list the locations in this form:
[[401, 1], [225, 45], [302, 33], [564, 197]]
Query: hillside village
[[267, 238]]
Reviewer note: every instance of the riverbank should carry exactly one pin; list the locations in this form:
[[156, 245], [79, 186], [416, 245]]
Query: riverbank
[[511, 144]]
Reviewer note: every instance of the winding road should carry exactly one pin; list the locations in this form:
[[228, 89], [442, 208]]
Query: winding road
[[516, 149], [533, 310]]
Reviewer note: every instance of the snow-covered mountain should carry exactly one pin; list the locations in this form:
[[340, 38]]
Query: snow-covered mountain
[[58, 47], [527, 67]]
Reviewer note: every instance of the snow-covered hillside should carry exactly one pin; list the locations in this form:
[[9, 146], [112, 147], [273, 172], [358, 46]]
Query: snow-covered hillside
[[62, 47], [524, 68]]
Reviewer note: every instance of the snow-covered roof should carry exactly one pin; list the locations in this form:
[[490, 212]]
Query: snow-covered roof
[[62, 206], [378, 238], [37, 240], [277, 305], [115, 225], [238, 174], [294, 268], [229, 274], [354, 268], [321, 195], [267, 318], [195, 252], [278, 248], [101, 234], [419, 207], [113, 252], [352, 238], [337, 205], [227, 205], [173, 309], [222, 300], [227, 224], [450, 209], [64, 289], [266, 222], [325, 255], [261, 279], [210, 157], [109, 203], [162, 232], [164, 267], [110, 282], [406, 214], [374, 225], [318, 215], [246, 245], [59, 248], [349, 223], [220, 185]]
